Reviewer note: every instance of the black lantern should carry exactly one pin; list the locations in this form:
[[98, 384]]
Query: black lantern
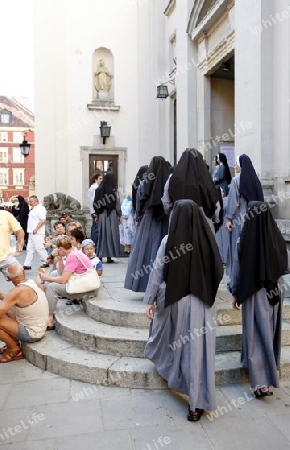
[[24, 148], [162, 91], [105, 131]]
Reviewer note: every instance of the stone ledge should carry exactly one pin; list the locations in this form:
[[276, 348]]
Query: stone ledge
[[61, 358], [87, 334], [94, 107]]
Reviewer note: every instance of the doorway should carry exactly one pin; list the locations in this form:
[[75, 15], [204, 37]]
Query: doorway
[[104, 163]]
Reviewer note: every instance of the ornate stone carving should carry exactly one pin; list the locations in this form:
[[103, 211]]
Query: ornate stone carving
[[61, 202]]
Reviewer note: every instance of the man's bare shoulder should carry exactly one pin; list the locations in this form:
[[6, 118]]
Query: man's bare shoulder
[[23, 294]]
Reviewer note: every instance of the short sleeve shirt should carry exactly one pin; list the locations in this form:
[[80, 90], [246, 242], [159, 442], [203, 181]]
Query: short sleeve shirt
[[74, 262], [8, 225], [36, 214]]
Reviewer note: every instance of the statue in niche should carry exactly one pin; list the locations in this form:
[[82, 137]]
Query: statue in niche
[[102, 77]]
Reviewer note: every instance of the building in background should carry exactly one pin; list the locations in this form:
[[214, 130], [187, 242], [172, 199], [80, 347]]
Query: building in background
[[223, 61], [17, 173]]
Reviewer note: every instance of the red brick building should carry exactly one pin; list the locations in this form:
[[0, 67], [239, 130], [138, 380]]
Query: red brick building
[[16, 171]]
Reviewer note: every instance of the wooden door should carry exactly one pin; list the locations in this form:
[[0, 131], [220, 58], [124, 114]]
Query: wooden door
[[105, 163]]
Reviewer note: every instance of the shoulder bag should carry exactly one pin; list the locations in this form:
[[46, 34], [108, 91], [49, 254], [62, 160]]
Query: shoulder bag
[[83, 282]]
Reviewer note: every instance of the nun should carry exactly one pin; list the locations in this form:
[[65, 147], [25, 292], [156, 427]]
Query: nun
[[108, 209], [180, 299], [21, 214], [260, 260], [245, 187], [222, 174], [152, 228], [136, 183], [191, 180]]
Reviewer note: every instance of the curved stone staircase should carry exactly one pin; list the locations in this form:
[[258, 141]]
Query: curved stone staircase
[[103, 341]]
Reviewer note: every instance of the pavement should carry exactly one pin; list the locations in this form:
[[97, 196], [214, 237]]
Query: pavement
[[39, 410]]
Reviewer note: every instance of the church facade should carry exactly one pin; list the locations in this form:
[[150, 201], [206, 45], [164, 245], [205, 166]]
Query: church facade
[[226, 66]]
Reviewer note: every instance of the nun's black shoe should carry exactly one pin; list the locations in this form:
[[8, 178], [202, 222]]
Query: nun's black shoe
[[110, 261], [194, 416], [258, 393]]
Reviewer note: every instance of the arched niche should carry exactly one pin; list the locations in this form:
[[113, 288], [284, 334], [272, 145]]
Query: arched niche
[[103, 76]]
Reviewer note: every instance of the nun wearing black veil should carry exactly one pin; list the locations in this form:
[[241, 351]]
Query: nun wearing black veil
[[180, 296], [153, 226], [260, 260], [191, 180], [21, 214], [136, 183], [107, 207], [245, 187]]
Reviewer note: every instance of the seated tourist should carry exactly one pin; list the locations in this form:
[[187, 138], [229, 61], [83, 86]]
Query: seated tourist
[[49, 242], [88, 247], [77, 236], [76, 262], [69, 227], [23, 314]]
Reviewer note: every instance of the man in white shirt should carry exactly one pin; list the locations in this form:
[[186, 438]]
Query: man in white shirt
[[96, 181], [36, 232]]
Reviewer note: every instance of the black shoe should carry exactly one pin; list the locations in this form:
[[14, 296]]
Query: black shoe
[[258, 393], [27, 267], [194, 416], [110, 261], [44, 265]]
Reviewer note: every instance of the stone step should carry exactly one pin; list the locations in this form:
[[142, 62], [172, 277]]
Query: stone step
[[62, 358], [85, 333], [125, 308]]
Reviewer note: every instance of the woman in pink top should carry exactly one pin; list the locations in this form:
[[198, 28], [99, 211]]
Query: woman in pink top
[[76, 262]]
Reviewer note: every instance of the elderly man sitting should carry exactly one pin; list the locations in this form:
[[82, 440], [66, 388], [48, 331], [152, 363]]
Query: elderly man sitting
[[23, 314]]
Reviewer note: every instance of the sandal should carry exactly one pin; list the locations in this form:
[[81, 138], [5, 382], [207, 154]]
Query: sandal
[[73, 302], [258, 393], [194, 416], [11, 355]]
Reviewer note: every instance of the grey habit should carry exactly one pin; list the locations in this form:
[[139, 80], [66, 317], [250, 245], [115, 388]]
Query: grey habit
[[149, 234], [235, 210], [181, 340], [222, 235], [109, 236], [261, 340]]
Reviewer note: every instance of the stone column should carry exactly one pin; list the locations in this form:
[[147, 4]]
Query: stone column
[[262, 92], [253, 84], [281, 106], [204, 116], [185, 80]]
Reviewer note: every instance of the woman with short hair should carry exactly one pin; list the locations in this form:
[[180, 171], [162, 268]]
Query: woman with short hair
[[76, 262]]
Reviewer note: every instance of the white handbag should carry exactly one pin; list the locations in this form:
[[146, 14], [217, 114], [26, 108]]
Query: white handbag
[[83, 282]]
